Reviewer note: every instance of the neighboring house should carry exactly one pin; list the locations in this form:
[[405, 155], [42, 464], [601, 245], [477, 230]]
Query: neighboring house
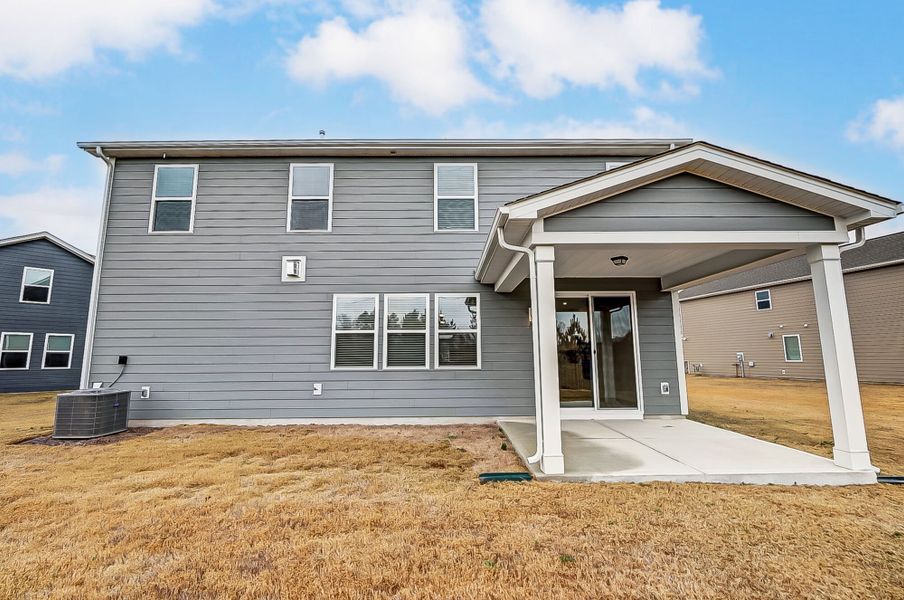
[[768, 314], [45, 287], [392, 280]]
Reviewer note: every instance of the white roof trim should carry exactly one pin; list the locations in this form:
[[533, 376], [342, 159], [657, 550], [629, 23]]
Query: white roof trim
[[687, 159], [44, 235]]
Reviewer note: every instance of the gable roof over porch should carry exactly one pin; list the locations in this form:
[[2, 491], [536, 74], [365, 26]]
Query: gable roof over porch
[[696, 249]]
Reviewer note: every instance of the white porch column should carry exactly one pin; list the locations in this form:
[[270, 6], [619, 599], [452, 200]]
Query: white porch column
[[678, 326], [552, 461], [838, 357]]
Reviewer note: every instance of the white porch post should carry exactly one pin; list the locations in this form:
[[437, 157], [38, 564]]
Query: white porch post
[[838, 357], [552, 461], [678, 326]]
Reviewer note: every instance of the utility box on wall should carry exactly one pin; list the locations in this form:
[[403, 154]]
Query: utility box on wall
[[91, 413]]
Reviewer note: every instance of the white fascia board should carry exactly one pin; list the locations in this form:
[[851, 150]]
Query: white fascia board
[[729, 238], [43, 235], [652, 169], [491, 245]]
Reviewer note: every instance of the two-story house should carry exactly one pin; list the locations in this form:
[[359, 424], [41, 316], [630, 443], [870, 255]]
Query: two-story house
[[435, 280], [45, 287]]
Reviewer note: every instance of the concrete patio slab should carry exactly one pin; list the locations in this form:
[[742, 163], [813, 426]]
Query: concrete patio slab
[[676, 450]]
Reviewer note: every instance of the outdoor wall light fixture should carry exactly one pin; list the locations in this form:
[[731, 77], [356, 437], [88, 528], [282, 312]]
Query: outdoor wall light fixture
[[619, 261]]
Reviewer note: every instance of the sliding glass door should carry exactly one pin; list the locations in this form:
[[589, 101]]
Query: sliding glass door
[[597, 351]]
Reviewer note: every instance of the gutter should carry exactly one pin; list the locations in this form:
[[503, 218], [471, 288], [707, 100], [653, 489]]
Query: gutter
[[535, 339], [88, 351], [859, 240]]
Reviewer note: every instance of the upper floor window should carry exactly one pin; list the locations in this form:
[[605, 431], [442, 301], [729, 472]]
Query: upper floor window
[[15, 350], [455, 206], [763, 299], [36, 285], [457, 331], [310, 197], [173, 199]]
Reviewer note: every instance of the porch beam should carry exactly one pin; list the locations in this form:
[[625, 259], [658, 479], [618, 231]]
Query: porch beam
[[512, 275], [759, 239], [552, 461], [843, 388]]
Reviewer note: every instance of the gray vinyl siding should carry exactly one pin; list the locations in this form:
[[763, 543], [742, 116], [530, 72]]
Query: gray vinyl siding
[[66, 313], [656, 334], [208, 325], [688, 203]]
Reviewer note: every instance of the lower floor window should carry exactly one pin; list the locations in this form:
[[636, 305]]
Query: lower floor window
[[15, 350], [58, 351], [405, 340], [792, 348], [355, 331], [457, 331]]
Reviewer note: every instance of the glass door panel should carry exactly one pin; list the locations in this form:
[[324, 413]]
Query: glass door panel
[[573, 345], [613, 337]]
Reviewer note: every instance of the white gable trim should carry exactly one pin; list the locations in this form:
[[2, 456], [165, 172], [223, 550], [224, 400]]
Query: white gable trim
[[43, 235]]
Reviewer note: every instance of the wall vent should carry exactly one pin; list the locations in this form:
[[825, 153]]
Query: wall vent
[[91, 413]]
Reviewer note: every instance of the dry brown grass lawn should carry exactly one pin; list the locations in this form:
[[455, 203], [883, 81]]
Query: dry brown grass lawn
[[796, 413], [364, 512]]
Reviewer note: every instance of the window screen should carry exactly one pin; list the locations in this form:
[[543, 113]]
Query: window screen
[[36, 285], [173, 199], [14, 350], [457, 331], [58, 351], [405, 331], [310, 197], [763, 300], [456, 197], [354, 331]]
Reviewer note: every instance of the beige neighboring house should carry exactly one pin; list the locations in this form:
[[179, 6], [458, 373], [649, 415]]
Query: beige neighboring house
[[762, 322]]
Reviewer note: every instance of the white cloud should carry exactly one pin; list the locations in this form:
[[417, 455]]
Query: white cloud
[[420, 50], [71, 213], [545, 44], [643, 123], [42, 38], [16, 163], [883, 124]]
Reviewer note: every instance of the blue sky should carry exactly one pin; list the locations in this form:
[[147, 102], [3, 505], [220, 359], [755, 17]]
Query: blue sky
[[814, 85]]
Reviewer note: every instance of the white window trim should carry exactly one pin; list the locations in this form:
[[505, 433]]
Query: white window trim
[[425, 331], [437, 198], [756, 301], [478, 331], [22, 287], [375, 331], [154, 200], [30, 342], [71, 351], [799, 345], [328, 198]]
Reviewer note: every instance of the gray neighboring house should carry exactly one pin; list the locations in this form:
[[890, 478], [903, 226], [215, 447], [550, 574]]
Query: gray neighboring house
[[762, 322], [45, 288], [442, 280]]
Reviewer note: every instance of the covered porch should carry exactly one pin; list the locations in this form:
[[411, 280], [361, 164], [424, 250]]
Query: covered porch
[[627, 241]]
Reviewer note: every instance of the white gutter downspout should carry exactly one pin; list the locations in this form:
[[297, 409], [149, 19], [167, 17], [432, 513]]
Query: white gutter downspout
[[535, 338], [98, 261], [859, 240]]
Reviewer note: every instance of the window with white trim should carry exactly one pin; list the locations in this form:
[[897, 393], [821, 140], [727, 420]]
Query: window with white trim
[[457, 331], [173, 199], [763, 299], [15, 350], [792, 348], [354, 331], [57, 351], [455, 204], [36, 285], [405, 339], [310, 197]]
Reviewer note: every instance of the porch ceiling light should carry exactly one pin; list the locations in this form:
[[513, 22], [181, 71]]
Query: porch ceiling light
[[619, 261]]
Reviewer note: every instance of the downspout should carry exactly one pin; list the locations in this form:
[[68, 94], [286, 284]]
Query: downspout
[[98, 261], [859, 240], [535, 338]]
